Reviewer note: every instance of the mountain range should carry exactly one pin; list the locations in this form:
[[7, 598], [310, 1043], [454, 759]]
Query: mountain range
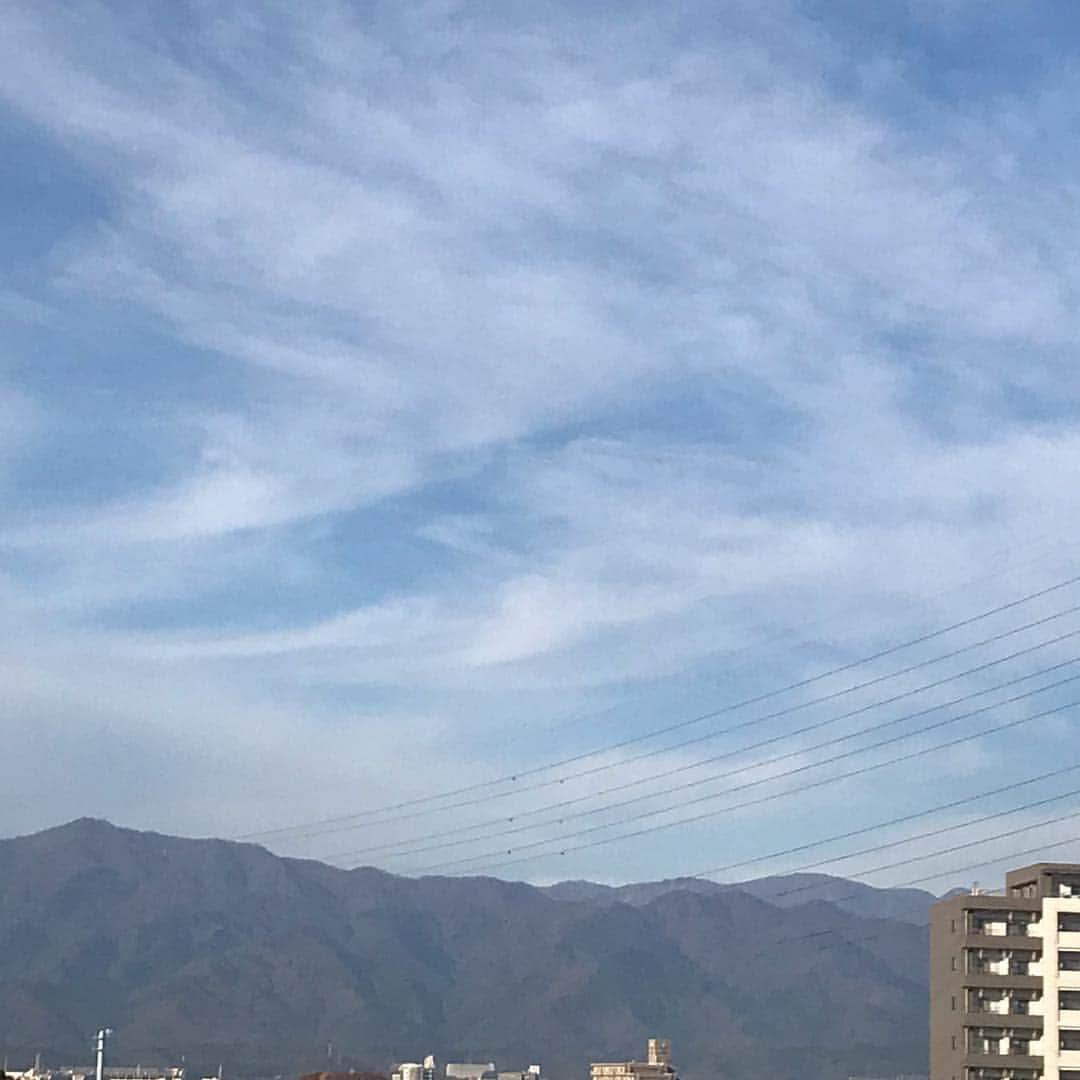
[[224, 952]]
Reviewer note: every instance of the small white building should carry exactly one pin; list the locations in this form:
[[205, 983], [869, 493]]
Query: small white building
[[466, 1070], [414, 1070]]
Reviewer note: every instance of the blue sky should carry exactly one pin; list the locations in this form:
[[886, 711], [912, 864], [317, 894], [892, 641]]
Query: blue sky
[[396, 396]]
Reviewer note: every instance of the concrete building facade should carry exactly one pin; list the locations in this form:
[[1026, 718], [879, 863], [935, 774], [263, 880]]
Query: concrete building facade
[[1005, 979]]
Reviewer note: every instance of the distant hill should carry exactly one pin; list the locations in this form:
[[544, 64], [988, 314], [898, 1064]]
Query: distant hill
[[226, 952], [791, 890]]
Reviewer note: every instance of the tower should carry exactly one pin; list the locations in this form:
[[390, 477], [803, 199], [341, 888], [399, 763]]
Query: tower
[[659, 1051]]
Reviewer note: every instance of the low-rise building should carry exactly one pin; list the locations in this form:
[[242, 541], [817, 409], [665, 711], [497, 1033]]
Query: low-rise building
[[468, 1070], [657, 1065], [414, 1070], [531, 1073], [110, 1072], [462, 1070]]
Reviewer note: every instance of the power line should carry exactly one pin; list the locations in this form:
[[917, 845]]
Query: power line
[[704, 874], [394, 849], [835, 901], [489, 798], [1028, 853], [712, 871], [768, 695], [783, 757], [911, 882], [794, 890], [911, 839], [982, 840], [764, 799], [796, 636], [979, 866]]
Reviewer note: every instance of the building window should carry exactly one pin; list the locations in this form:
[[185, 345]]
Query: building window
[[953, 926], [954, 1004], [955, 963], [954, 1042]]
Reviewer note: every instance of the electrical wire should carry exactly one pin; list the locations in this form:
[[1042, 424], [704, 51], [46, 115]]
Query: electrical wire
[[573, 759], [764, 799], [1028, 853], [797, 635], [395, 849], [795, 890], [835, 901], [786, 756], [753, 722], [799, 848]]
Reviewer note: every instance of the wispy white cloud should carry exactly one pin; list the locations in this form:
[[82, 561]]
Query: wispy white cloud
[[553, 371]]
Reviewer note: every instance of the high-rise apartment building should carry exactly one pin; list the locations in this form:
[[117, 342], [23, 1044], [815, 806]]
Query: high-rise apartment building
[[1005, 979]]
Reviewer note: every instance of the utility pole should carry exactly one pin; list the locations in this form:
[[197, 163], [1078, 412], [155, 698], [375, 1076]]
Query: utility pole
[[99, 1047]]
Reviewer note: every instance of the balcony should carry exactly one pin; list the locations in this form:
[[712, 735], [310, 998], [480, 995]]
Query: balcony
[[992, 980], [1033, 1025], [1004, 1003], [1015, 941], [1006, 956], [996, 1072], [997, 963], [1003, 928], [973, 1058]]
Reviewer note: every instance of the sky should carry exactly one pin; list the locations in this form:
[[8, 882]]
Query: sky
[[402, 398]]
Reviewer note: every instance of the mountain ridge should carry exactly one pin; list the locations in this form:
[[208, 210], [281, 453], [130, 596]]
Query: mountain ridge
[[225, 951], [786, 890]]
